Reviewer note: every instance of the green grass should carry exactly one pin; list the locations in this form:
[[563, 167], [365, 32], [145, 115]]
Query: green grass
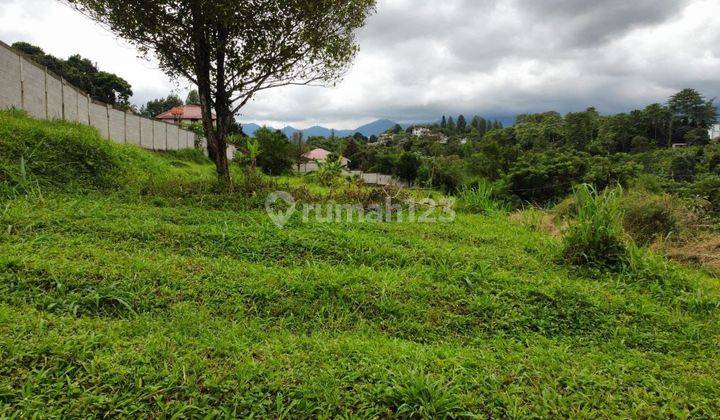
[[162, 298]]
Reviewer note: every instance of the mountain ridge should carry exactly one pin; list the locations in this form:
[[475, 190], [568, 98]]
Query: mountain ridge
[[375, 128]]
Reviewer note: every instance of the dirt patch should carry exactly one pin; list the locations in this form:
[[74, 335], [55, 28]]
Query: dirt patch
[[702, 250]]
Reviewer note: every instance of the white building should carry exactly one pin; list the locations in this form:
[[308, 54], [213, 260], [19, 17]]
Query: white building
[[420, 131]]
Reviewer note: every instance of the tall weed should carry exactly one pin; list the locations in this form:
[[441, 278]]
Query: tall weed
[[597, 238], [479, 199]]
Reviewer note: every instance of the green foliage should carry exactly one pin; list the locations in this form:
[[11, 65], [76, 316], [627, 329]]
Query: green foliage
[[329, 171], [707, 187], [690, 110], [189, 155], [541, 177], [596, 238], [697, 137], [479, 198], [275, 155], [353, 153], [445, 173], [193, 98], [648, 216], [57, 154], [407, 167], [157, 106], [176, 299], [607, 171]]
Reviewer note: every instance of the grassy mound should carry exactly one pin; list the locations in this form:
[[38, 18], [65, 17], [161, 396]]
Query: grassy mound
[[67, 156]]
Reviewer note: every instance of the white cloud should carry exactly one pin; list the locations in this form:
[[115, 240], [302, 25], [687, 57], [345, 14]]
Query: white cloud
[[422, 58]]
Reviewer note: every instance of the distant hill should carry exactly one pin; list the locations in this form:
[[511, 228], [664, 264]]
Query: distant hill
[[374, 128]]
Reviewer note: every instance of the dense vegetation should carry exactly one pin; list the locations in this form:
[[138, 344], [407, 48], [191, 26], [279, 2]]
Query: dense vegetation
[[541, 157], [130, 286]]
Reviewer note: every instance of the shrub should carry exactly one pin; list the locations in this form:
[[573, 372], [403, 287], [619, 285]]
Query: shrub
[[478, 198], [683, 167], [708, 188], [542, 177], [189, 155], [647, 216], [604, 171], [275, 152], [697, 137], [596, 238], [406, 167], [444, 172], [330, 171]]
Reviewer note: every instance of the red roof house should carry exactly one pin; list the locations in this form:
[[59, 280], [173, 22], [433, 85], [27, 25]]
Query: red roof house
[[321, 155], [188, 113]]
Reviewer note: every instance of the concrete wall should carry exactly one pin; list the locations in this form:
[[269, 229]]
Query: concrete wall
[[99, 118], [159, 135], [173, 137], [70, 103], [54, 97], [116, 124], [146, 133], [33, 82], [132, 129], [83, 106], [10, 77], [26, 85]]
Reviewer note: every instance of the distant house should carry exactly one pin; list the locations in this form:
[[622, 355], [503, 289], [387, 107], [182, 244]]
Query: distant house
[[714, 132], [321, 155], [185, 113], [421, 131]]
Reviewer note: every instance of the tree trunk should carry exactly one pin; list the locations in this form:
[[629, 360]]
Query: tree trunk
[[215, 134]]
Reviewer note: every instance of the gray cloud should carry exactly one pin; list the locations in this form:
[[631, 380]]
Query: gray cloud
[[420, 59]]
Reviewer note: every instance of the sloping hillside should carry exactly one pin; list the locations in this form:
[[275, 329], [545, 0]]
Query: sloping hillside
[[156, 300]]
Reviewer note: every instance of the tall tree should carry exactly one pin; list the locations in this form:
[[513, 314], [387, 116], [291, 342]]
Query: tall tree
[[157, 106], [451, 124], [193, 98], [232, 49], [691, 109], [461, 124], [443, 122], [352, 153], [657, 122]]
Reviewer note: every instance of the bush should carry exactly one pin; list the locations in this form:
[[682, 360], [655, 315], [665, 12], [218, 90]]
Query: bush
[[596, 238], [330, 171], [604, 171], [543, 177], [444, 172], [708, 188], [189, 155], [647, 216], [275, 151], [479, 198]]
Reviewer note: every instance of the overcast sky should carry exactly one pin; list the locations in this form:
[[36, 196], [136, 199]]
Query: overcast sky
[[420, 59]]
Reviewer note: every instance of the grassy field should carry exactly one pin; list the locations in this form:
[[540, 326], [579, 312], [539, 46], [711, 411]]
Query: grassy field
[[151, 296]]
